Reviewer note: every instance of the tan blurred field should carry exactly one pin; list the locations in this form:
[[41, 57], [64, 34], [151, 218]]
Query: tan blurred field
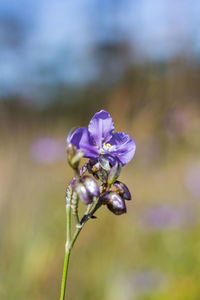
[[151, 253]]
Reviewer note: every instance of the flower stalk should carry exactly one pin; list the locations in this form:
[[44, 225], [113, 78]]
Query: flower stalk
[[68, 241], [107, 152]]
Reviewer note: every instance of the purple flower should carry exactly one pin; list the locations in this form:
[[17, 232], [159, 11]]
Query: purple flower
[[99, 139]]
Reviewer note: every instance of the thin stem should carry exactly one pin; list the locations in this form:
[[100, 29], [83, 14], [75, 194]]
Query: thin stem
[[89, 207], [68, 212], [68, 240], [64, 276], [78, 230], [69, 246], [76, 219]]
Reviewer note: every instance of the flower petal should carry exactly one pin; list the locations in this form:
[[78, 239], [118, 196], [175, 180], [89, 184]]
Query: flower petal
[[101, 127], [124, 147], [81, 139]]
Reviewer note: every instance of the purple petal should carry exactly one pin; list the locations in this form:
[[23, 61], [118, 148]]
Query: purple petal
[[124, 147], [101, 127], [81, 139]]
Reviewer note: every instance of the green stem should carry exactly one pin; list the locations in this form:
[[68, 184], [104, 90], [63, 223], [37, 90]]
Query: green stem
[[68, 241], [78, 230], [68, 213], [69, 246], [64, 276]]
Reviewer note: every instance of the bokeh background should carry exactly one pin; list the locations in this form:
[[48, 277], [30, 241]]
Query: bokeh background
[[60, 62]]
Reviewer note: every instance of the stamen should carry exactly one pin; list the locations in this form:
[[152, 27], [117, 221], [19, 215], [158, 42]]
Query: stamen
[[106, 148], [106, 145]]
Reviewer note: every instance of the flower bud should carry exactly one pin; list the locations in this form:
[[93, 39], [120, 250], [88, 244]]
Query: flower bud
[[104, 163], [120, 188], [101, 175], [73, 155], [114, 203], [91, 186], [87, 189], [82, 193], [114, 173]]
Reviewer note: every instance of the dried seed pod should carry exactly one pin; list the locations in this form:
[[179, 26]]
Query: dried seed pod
[[120, 188], [114, 203]]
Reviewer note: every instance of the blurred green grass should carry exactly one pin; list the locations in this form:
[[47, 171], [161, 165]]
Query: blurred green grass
[[132, 257]]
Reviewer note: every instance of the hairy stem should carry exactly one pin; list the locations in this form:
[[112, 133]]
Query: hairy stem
[[68, 241], [74, 207]]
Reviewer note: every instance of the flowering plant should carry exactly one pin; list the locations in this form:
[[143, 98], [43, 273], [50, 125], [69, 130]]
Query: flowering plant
[[107, 152]]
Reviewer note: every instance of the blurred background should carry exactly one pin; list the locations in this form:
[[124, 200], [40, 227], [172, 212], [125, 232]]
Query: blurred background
[[60, 62]]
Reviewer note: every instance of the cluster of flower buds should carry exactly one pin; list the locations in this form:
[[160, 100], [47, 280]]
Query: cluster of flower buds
[[115, 197], [103, 171], [110, 191]]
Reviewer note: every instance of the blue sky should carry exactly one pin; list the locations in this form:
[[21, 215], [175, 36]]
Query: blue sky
[[48, 41]]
